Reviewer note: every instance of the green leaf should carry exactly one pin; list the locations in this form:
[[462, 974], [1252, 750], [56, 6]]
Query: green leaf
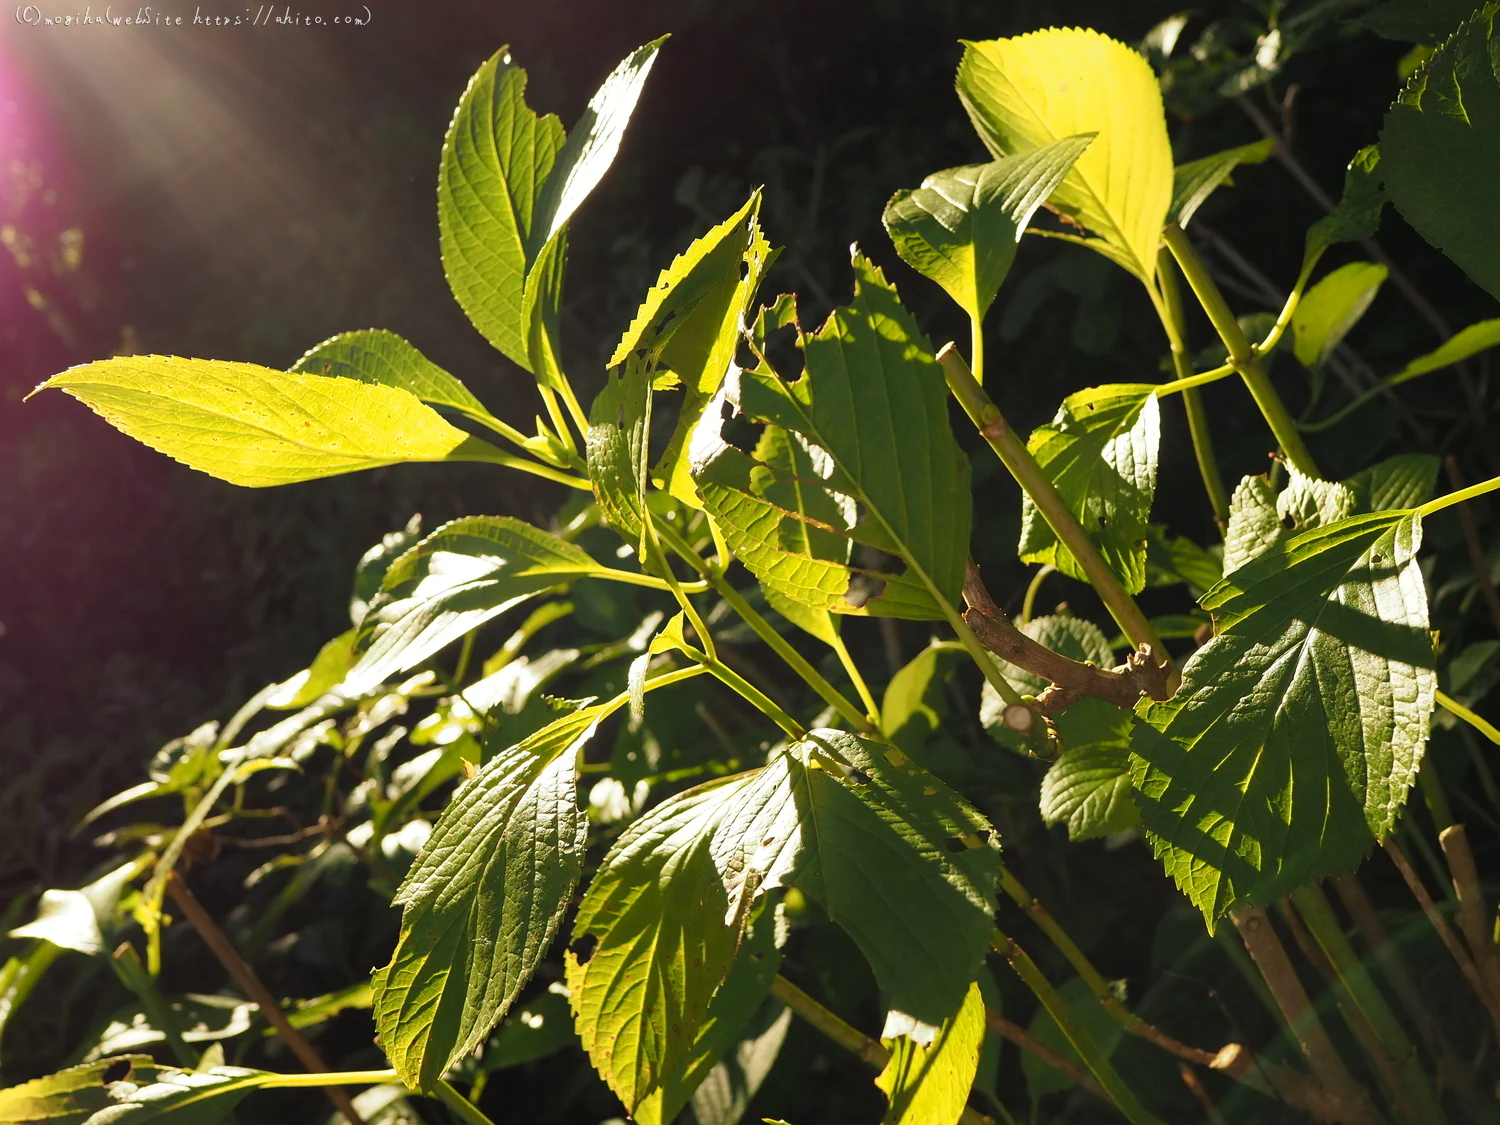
[[874, 401], [252, 426], [1460, 346], [541, 306], [1441, 146], [1179, 559], [369, 572], [930, 1085], [463, 574], [1331, 308], [508, 183], [1100, 453], [870, 835], [1253, 522], [129, 1090], [1034, 89], [619, 429], [1417, 21], [1195, 181], [1406, 480], [1088, 789], [496, 158], [592, 145], [378, 356], [734, 1005], [910, 709], [483, 899], [690, 323], [1298, 729], [78, 920], [1086, 722], [325, 673], [960, 228], [1357, 215], [661, 921]]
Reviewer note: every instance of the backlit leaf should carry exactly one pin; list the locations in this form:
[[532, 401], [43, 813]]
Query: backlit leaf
[[1100, 453], [1331, 308], [619, 428], [930, 1085], [1403, 481], [253, 426], [1034, 89], [483, 899], [128, 1090], [1441, 148], [960, 228], [378, 356], [457, 578], [1461, 345], [1088, 789], [1357, 215], [1299, 727], [1195, 181]]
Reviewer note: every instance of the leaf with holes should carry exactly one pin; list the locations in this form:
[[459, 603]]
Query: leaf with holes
[[1195, 181], [508, 183], [483, 899], [377, 356], [1441, 148], [1258, 519], [1298, 729], [960, 228], [257, 427], [873, 401], [129, 1090], [1100, 453], [1034, 89], [462, 575]]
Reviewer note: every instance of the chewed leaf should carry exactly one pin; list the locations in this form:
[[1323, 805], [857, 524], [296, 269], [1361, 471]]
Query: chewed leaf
[[257, 427], [1298, 729], [1100, 453], [1034, 89]]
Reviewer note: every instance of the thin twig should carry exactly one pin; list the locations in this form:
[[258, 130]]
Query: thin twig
[[1059, 1062], [1471, 540], [250, 984], [1471, 910], [1444, 931]]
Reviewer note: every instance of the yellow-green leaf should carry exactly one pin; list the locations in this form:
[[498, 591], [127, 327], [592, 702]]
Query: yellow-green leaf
[[930, 1085], [1034, 89], [254, 426]]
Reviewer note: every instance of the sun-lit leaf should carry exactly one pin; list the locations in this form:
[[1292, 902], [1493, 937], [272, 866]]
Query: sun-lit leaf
[[909, 709], [378, 356], [1357, 215], [1100, 453], [1461, 345], [128, 1090], [541, 305], [1088, 789], [1253, 523], [619, 428], [1331, 308], [960, 228], [1403, 481], [483, 899], [873, 400], [1176, 558], [719, 1047], [1307, 502], [1441, 148], [930, 1085], [1299, 727], [79, 920], [457, 578], [325, 673], [1195, 181], [1034, 89], [257, 427], [652, 941], [508, 184]]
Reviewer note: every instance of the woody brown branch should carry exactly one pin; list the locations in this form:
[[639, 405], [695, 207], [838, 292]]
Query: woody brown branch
[[1070, 680]]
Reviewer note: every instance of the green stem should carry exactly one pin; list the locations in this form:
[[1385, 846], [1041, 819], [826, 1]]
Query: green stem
[[1288, 310], [1412, 1091], [1481, 725], [580, 415], [504, 429], [651, 582], [1174, 321], [1028, 603], [1459, 497], [126, 963], [1017, 458], [752, 694], [1241, 354], [559, 420], [328, 1078], [872, 710], [1082, 1042], [489, 455], [763, 629], [976, 349], [461, 1106]]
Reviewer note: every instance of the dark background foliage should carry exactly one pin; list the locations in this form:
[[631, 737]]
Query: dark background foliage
[[246, 192]]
